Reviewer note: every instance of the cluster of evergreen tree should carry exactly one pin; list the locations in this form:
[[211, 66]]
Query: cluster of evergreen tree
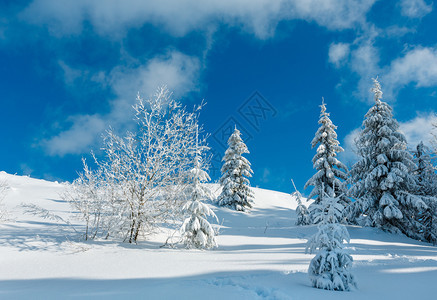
[[392, 188]]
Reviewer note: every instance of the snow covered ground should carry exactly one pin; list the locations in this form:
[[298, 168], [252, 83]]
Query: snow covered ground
[[261, 255]]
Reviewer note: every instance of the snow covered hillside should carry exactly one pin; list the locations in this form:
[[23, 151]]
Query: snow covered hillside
[[261, 255]]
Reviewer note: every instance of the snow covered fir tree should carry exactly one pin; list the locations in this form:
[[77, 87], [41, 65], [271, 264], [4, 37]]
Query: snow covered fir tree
[[331, 173], [426, 187], [383, 181], [196, 231], [301, 210], [236, 192], [330, 268], [425, 171]]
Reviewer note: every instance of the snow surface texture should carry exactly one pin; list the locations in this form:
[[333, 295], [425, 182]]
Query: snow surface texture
[[261, 255]]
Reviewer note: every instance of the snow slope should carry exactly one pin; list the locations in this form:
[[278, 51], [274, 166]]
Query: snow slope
[[261, 255]]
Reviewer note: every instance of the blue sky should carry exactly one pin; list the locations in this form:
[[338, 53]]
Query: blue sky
[[69, 69]]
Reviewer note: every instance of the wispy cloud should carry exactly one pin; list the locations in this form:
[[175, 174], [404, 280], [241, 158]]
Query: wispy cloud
[[415, 8], [178, 71], [418, 65], [260, 17], [415, 130], [338, 53], [418, 129], [112, 20]]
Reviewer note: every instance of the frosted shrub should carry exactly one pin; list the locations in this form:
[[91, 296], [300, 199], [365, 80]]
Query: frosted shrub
[[330, 268]]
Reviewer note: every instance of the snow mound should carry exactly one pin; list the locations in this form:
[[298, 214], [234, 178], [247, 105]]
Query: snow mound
[[261, 255]]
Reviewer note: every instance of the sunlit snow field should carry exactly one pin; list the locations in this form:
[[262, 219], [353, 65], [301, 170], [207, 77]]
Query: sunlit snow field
[[261, 255]]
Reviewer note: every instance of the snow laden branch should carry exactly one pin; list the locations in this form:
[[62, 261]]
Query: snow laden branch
[[136, 187]]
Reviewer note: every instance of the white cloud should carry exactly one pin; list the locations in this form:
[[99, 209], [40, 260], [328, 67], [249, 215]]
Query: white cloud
[[365, 62], [70, 74], [418, 129], [415, 8], [77, 139], [396, 31], [338, 53], [415, 130], [113, 17], [332, 14], [349, 156], [176, 70], [418, 65]]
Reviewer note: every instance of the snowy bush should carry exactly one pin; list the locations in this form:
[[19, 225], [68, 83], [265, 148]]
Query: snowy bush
[[331, 173], [330, 268], [236, 192], [196, 231], [137, 186]]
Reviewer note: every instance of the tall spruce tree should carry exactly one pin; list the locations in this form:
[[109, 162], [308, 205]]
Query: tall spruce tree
[[236, 192], [331, 173], [382, 181]]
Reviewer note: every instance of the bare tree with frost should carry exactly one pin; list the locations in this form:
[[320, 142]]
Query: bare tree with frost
[[330, 268], [236, 192], [137, 186], [331, 173], [383, 182], [196, 231]]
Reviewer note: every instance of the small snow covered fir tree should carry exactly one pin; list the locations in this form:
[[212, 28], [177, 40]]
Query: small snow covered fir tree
[[330, 268], [301, 210], [236, 192], [383, 182], [196, 231], [331, 173]]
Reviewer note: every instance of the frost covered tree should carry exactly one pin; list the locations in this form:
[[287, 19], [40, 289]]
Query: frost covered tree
[[425, 172], [137, 185], [301, 210], [330, 268], [196, 231], [236, 192], [426, 187], [331, 173], [383, 182]]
